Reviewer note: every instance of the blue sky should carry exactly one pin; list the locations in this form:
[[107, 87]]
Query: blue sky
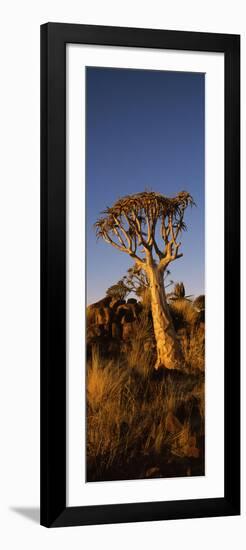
[[144, 129]]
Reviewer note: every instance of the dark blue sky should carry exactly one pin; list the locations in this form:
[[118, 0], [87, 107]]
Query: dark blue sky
[[144, 129]]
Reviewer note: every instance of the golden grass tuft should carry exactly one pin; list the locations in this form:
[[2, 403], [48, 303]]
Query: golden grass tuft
[[183, 311], [193, 347]]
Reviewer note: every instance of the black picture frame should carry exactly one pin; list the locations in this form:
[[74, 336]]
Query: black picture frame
[[54, 37]]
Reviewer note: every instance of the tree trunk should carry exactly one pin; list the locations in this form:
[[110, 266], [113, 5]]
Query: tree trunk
[[169, 353]]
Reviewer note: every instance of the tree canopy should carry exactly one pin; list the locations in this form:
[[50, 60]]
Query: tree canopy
[[130, 225]]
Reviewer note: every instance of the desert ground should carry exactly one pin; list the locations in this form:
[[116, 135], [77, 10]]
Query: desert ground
[[142, 422]]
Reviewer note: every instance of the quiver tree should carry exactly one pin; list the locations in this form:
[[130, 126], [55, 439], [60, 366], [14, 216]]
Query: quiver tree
[[135, 281], [146, 226], [119, 290]]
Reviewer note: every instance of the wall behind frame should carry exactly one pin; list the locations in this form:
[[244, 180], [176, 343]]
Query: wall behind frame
[[19, 303]]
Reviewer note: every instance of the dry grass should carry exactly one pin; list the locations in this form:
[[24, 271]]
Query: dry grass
[[140, 355], [193, 348], [139, 423], [191, 333], [183, 312]]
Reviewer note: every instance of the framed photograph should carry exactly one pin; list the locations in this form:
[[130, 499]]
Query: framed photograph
[[140, 275]]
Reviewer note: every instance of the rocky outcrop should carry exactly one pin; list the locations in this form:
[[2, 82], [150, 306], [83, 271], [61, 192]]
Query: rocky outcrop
[[112, 317]]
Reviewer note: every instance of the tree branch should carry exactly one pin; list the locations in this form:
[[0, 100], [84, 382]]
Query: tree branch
[[138, 229], [137, 259]]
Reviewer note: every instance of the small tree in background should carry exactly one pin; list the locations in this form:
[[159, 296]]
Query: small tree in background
[[119, 290], [135, 281], [131, 226]]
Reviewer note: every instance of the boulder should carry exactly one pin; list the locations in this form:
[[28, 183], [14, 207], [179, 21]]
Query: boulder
[[103, 316], [116, 330], [114, 303], [127, 329], [127, 310]]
